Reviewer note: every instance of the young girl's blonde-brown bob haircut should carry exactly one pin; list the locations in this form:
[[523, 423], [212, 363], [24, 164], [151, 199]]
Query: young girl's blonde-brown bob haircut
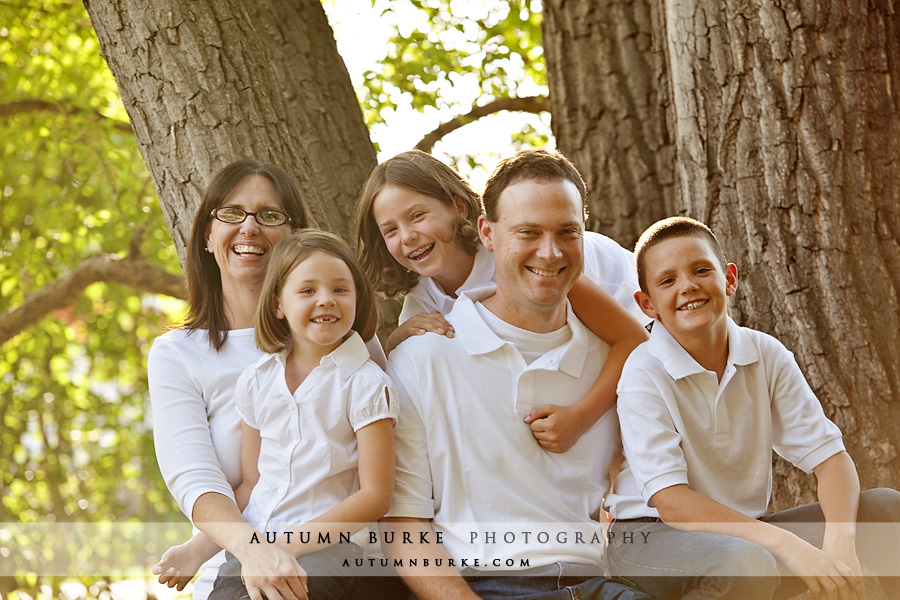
[[273, 334], [420, 172]]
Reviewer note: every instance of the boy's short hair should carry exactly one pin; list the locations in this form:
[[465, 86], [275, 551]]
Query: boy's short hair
[[273, 334], [671, 228], [533, 164], [420, 172]]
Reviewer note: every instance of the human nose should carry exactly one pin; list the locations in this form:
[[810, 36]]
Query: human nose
[[548, 249], [249, 226], [325, 298], [407, 234], [688, 284]]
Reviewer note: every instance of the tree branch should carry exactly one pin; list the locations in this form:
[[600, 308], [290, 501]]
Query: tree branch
[[132, 271], [532, 104], [10, 109]]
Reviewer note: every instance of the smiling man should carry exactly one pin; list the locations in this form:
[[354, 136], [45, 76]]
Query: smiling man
[[503, 515]]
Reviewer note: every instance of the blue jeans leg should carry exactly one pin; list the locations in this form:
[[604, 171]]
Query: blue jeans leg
[[878, 544], [564, 585], [327, 579], [669, 564]]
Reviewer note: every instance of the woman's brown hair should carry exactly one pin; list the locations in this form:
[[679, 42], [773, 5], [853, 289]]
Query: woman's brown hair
[[422, 173], [206, 301]]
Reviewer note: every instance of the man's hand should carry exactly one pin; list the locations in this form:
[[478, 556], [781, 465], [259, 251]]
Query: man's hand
[[557, 428]]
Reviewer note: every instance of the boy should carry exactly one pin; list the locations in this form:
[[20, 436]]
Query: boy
[[702, 404]]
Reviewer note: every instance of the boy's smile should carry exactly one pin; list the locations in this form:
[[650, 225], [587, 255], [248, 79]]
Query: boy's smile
[[687, 288]]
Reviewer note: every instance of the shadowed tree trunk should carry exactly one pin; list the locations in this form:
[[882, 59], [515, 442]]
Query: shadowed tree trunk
[[784, 122], [609, 94]]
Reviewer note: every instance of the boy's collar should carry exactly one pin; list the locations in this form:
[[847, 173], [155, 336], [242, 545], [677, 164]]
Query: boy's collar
[[678, 363]]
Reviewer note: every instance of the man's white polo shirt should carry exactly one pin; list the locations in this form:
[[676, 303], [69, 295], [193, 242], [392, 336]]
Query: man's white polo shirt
[[606, 263], [466, 459], [680, 425]]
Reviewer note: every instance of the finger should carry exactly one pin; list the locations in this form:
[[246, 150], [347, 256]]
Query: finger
[[540, 412]]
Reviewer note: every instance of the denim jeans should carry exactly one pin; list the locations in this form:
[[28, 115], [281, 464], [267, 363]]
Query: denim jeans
[[554, 582], [327, 579], [695, 564]]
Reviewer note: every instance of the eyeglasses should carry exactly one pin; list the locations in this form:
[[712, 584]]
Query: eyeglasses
[[233, 214]]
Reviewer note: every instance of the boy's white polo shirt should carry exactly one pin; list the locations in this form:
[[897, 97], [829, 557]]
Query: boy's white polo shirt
[[466, 459], [606, 263], [681, 426]]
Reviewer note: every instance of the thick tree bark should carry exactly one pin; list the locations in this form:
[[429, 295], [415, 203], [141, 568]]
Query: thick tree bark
[[210, 81], [784, 122], [609, 95], [787, 139]]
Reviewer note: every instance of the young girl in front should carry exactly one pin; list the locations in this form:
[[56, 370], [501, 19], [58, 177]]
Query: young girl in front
[[418, 238], [317, 451]]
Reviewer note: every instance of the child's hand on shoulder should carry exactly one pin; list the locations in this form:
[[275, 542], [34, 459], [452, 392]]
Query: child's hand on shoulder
[[417, 325]]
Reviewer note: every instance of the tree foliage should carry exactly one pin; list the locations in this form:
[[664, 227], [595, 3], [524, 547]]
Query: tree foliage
[[73, 387]]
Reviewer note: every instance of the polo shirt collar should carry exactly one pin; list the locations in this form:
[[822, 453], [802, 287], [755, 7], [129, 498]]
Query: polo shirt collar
[[482, 271], [478, 338], [679, 364], [347, 358]]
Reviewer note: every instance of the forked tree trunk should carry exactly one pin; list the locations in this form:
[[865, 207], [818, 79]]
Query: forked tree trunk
[[210, 81], [784, 119]]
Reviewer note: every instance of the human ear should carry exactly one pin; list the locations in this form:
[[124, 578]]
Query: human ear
[[731, 279], [461, 207], [279, 314], [643, 301], [485, 230]]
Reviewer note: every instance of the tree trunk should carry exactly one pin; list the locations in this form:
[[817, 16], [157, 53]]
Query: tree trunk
[[210, 81], [785, 129], [609, 96]]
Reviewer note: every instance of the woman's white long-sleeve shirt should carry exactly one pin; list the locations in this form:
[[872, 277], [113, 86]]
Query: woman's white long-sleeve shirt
[[196, 425]]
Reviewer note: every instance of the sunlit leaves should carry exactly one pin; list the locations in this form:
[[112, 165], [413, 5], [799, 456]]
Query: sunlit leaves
[[456, 54], [72, 183]]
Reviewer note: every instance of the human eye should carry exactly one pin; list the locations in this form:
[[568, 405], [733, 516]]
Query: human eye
[[666, 281], [271, 217], [388, 231], [307, 290], [417, 215], [230, 214]]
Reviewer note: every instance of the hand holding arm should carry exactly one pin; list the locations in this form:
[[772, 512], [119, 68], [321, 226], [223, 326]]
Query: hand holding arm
[[557, 428]]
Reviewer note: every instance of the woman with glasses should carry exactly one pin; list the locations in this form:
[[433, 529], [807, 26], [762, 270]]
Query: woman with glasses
[[247, 208]]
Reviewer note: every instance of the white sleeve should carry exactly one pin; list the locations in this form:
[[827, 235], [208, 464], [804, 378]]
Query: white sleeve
[[801, 433], [413, 488], [184, 448], [411, 307], [372, 398], [246, 393], [650, 439], [612, 267]]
